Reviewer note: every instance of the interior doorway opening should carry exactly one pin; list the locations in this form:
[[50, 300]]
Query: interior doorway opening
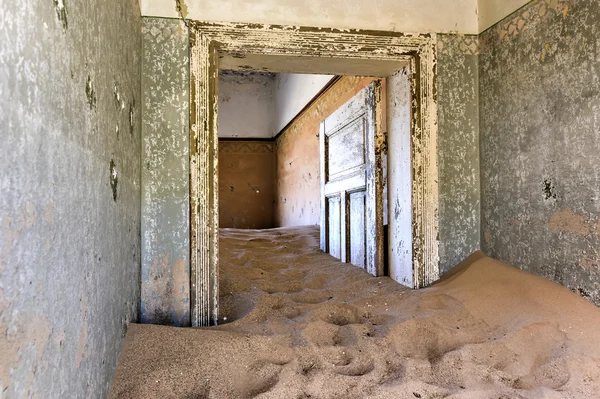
[[285, 140], [406, 61]]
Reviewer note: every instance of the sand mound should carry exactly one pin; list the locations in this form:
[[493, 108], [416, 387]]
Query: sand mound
[[299, 324]]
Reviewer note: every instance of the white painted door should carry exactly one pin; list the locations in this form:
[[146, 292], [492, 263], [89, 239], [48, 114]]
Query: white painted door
[[351, 143]]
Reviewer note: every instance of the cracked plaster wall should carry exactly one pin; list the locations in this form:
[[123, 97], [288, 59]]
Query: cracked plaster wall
[[540, 140], [70, 195]]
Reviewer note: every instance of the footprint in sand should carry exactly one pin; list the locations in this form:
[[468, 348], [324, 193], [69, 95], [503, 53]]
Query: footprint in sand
[[338, 314], [260, 377], [349, 362], [321, 333]]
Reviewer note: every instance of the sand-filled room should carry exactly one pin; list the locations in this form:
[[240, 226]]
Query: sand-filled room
[[300, 199]]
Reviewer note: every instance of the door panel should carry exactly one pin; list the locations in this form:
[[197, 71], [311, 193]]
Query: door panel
[[357, 242], [348, 146], [351, 172], [334, 217]]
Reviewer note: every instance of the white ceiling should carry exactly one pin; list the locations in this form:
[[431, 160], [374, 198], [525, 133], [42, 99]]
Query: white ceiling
[[442, 16]]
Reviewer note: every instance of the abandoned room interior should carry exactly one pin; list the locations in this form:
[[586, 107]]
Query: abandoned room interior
[[292, 199]]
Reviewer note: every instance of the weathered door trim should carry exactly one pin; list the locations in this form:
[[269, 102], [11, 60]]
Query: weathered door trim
[[207, 40]]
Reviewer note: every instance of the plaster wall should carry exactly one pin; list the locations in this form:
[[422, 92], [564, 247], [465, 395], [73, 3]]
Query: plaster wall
[[246, 184], [540, 140], [292, 93], [458, 148], [70, 193], [165, 173], [246, 105], [398, 15]]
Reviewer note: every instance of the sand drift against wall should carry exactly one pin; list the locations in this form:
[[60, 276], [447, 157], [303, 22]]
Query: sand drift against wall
[[307, 326]]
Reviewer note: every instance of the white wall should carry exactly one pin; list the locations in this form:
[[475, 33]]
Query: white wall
[[246, 105], [493, 11], [399, 15], [259, 105], [292, 93]]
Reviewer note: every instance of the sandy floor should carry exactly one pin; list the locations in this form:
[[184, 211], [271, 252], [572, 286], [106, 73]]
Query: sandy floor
[[307, 326]]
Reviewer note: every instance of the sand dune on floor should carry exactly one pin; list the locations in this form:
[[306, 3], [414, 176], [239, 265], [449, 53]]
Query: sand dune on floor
[[297, 323]]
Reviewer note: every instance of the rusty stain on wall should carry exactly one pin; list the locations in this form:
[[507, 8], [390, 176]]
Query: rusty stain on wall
[[540, 139], [182, 8], [567, 221]]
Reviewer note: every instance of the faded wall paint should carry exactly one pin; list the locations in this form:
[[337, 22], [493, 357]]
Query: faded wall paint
[[246, 184], [393, 15], [70, 193], [298, 188], [165, 173], [458, 148], [246, 104], [540, 140]]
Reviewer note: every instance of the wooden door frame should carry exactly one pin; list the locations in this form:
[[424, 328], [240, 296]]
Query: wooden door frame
[[208, 40]]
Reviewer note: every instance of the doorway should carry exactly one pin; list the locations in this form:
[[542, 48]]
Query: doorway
[[308, 50]]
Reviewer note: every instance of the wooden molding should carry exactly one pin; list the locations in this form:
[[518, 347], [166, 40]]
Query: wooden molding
[[210, 41]]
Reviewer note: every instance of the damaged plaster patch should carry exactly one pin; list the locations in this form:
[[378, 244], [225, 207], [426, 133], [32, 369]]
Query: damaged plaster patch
[[119, 102], [549, 190], [61, 13], [90, 93], [131, 125], [567, 221], [114, 179], [182, 8]]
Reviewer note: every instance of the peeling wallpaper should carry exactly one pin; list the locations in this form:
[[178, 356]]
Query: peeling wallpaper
[[165, 173], [540, 140], [458, 148], [69, 193]]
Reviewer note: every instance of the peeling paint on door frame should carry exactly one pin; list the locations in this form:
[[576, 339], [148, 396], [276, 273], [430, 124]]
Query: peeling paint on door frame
[[208, 40]]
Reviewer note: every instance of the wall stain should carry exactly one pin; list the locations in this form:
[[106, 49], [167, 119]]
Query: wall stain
[[90, 93], [131, 115], [61, 13], [119, 104], [182, 8], [567, 221], [549, 190], [114, 179]]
